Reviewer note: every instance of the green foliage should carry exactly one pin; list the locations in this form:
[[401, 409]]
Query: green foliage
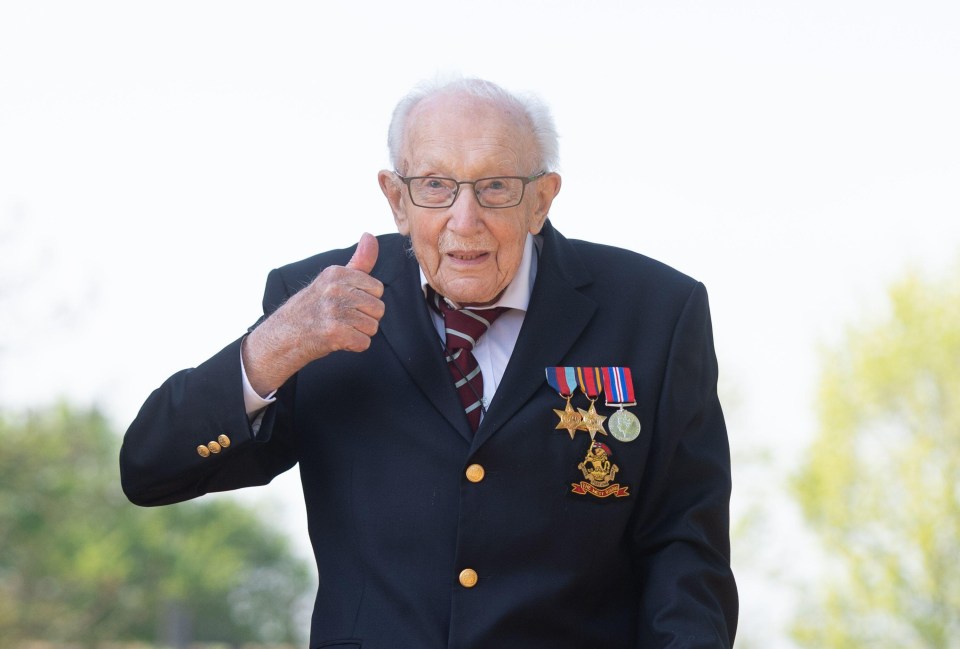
[[881, 484], [79, 563]]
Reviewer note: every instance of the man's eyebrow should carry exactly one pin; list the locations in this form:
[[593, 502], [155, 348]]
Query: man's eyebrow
[[426, 167], [504, 167]]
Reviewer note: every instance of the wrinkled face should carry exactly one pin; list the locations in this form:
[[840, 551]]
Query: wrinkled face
[[468, 253]]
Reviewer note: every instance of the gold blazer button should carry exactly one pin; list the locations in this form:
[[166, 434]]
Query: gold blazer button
[[468, 578]]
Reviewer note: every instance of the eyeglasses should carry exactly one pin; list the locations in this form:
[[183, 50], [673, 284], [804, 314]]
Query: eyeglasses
[[496, 192]]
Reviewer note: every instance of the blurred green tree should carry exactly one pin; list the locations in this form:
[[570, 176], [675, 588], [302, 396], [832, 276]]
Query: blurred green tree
[[78, 563], [881, 483]]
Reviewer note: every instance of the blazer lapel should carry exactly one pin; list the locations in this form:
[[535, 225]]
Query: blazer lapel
[[407, 328], [557, 315]]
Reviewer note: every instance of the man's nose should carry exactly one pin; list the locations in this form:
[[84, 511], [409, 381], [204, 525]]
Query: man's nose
[[466, 212]]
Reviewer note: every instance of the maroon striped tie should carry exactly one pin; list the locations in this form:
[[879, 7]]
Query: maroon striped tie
[[463, 328]]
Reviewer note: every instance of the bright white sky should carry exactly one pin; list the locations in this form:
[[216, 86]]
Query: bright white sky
[[158, 159]]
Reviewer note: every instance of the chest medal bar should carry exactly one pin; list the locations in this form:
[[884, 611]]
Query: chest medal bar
[[588, 378], [564, 381], [618, 385]]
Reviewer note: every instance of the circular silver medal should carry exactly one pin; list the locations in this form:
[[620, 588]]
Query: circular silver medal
[[624, 425]]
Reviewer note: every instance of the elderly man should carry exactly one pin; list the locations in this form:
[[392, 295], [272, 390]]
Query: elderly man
[[505, 439]]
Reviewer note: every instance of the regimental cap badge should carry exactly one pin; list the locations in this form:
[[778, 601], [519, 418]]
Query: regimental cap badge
[[598, 472]]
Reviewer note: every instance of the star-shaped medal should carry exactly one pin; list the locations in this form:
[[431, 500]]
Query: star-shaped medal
[[591, 421], [569, 419]]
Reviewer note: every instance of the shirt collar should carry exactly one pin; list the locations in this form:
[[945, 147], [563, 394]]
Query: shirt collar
[[517, 293]]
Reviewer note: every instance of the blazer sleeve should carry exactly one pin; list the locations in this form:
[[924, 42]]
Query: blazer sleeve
[[159, 458], [682, 544]]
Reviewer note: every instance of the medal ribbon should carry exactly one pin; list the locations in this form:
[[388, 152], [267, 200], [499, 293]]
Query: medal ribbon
[[588, 378], [618, 383], [563, 380]]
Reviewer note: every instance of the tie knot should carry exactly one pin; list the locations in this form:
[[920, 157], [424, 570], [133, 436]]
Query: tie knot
[[464, 326]]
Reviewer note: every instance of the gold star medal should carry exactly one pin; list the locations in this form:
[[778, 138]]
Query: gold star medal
[[564, 381], [588, 378], [618, 385]]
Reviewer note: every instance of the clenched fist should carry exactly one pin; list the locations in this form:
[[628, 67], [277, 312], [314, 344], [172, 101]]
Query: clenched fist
[[339, 310]]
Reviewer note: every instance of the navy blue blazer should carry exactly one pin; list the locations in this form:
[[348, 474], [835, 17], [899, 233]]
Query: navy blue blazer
[[384, 447]]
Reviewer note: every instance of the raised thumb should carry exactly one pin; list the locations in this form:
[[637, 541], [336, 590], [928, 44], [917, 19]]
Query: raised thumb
[[366, 254]]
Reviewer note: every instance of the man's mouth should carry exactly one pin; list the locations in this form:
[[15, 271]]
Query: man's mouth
[[466, 256]]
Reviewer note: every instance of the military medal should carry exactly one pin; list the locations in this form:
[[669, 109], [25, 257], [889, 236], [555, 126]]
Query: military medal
[[564, 381], [618, 384], [598, 473], [588, 378]]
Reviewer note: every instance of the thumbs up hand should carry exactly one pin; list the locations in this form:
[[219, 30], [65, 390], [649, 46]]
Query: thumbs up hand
[[365, 256], [339, 310]]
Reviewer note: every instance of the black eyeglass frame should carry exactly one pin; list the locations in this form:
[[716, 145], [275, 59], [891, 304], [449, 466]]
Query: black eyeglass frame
[[406, 180]]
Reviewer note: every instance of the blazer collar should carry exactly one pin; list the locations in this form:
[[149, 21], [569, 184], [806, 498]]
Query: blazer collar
[[558, 314], [408, 330]]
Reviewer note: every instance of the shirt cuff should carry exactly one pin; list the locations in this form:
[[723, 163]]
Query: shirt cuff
[[252, 401]]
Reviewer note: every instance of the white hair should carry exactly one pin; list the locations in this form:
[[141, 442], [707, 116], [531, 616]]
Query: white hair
[[536, 112]]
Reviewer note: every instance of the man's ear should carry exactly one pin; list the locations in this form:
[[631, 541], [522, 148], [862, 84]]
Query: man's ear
[[392, 188], [547, 189]]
